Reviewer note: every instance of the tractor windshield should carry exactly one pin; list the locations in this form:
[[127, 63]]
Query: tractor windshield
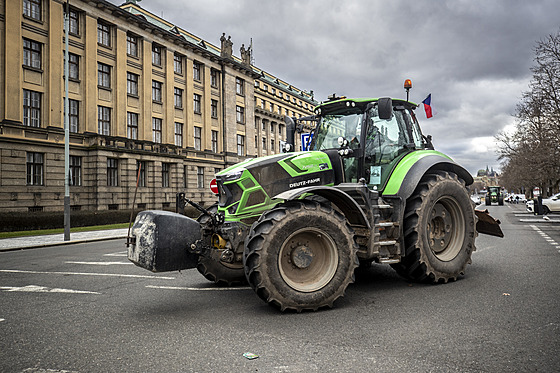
[[370, 146], [332, 127]]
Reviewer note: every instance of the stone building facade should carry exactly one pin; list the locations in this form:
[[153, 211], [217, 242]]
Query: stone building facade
[[149, 103]]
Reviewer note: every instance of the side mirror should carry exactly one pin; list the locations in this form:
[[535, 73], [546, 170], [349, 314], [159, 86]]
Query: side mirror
[[385, 108], [290, 134]]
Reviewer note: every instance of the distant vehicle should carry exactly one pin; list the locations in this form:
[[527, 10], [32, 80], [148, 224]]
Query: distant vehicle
[[494, 195], [516, 198], [551, 204], [476, 199]]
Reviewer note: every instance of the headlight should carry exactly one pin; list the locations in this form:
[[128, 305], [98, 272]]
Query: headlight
[[233, 175]]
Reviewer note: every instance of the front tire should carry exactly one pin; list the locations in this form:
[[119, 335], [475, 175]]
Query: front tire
[[300, 256], [439, 230], [212, 268]]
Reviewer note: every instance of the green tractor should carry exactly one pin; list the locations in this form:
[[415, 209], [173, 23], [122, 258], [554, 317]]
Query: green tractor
[[494, 195], [296, 225]]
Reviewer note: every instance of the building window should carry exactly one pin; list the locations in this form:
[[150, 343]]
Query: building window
[[156, 91], [74, 18], [196, 71], [103, 34], [241, 145], [239, 86], [214, 141], [75, 171], [197, 103], [185, 178], [103, 75], [103, 120], [132, 125], [214, 79], [264, 125], [156, 55], [240, 114], [280, 129], [200, 177], [178, 98], [263, 143], [141, 166], [263, 104], [74, 115], [31, 108], [156, 130], [35, 168], [112, 172], [271, 128], [178, 64], [214, 109], [73, 66], [271, 107], [31, 54], [132, 45], [197, 138], [265, 87], [165, 174], [32, 9], [179, 134], [272, 145], [132, 84]]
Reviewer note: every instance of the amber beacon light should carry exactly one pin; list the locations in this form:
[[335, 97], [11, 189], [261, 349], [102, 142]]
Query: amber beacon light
[[407, 86]]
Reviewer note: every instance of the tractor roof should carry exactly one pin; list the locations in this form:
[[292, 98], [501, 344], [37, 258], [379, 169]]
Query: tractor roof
[[362, 101]]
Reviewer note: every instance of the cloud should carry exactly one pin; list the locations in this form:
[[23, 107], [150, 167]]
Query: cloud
[[474, 56]]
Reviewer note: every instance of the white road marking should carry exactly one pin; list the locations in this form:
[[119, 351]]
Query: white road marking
[[86, 274], [100, 263], [2, 320], [196, 289], [120, 253], [44, 289], [541, 220], [41, 370], [546, 237]]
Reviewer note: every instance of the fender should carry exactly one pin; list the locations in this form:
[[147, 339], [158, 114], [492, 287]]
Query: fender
[[411, 168], [342, 200]]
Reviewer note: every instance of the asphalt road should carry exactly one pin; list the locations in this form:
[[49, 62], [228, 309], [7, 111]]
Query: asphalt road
[[84, 308]]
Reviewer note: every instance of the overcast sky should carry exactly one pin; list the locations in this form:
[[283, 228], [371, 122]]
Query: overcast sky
[[473, 56]]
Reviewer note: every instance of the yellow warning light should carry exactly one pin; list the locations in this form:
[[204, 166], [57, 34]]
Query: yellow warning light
[[407, 84]]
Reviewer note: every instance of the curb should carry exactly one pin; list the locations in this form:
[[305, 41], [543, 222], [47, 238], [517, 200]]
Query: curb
[[61, 243]]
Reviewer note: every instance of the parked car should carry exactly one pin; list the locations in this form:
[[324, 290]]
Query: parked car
[[551, 204], [516, 198], [476, 199]]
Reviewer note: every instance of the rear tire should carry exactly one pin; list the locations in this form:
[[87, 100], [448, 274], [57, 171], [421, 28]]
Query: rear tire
[[300, 256], [439, 230]]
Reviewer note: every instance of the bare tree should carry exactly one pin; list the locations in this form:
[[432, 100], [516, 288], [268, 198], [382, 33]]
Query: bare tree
[[531, 155]]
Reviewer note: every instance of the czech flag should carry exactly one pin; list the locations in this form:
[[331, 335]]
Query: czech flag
[[427, 106]]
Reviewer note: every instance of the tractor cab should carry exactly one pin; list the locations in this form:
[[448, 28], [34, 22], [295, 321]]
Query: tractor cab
[[371, 135]]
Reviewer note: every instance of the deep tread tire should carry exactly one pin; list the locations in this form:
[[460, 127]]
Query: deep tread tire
[[439, 230], [215, 270], [300, 255]]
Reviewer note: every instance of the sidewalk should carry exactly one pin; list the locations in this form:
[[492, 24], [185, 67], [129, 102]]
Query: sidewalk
[[28, 242]]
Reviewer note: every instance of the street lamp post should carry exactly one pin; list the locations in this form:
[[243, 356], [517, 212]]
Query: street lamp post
[[66, 129]]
